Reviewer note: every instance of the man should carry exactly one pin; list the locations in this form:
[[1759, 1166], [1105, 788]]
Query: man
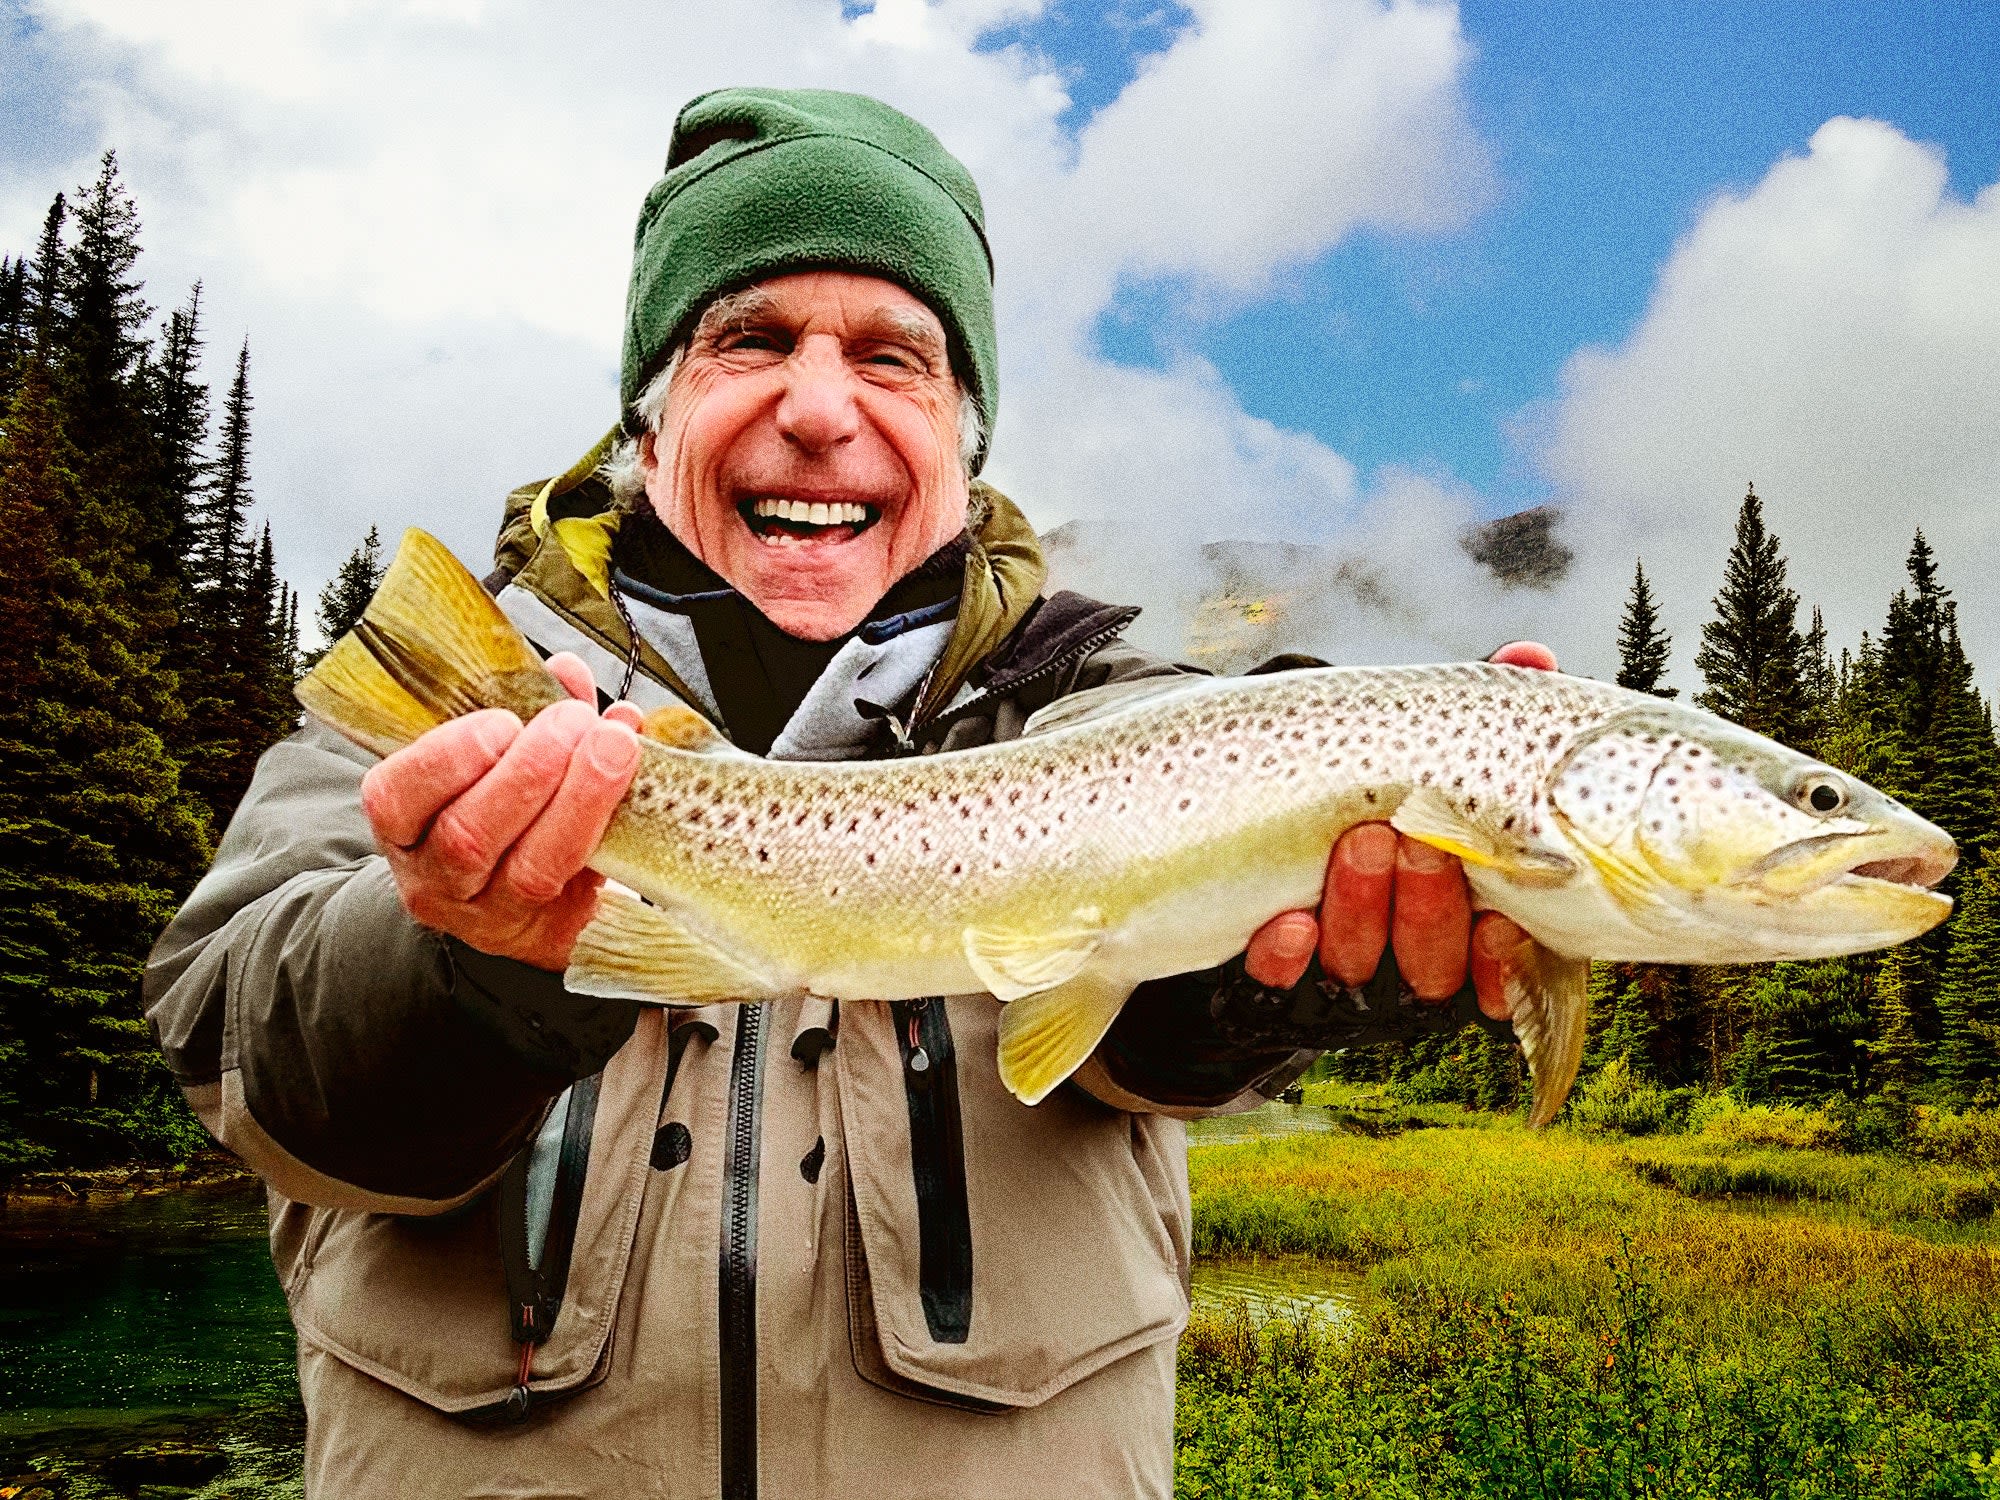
[[537, 1244]]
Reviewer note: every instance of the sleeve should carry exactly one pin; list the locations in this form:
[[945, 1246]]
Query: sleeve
[[1168, 1053], [349, 1056]]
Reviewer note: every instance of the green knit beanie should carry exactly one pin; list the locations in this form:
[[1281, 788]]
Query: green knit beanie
[[760, 182]]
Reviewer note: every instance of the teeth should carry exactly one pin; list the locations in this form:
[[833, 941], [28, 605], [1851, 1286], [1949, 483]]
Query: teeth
[[802, 513]]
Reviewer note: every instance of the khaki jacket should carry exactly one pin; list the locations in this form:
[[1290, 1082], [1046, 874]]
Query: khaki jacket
[[817, 1249]]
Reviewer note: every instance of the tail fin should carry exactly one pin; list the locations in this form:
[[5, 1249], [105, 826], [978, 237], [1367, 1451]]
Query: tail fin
[[430, 646]]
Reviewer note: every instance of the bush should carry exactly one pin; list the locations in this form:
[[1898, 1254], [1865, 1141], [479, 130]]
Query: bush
[[1618, 1103], [1725, 1118], [1968, 1139]]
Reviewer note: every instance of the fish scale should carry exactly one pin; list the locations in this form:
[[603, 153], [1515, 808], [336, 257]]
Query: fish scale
[[1151, 827]]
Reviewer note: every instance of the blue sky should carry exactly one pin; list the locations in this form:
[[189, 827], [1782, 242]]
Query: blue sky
[[1613, 125], [1619, 258]]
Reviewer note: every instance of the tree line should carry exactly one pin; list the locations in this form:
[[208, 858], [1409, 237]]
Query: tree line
[[1874, 1035], [147, 660]]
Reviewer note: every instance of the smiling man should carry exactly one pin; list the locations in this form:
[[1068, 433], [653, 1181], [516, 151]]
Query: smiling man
[[538, 1244]]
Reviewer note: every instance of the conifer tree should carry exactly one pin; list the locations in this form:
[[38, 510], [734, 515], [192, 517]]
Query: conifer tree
[[1896, 1052], [16, 327], [347, 593], [47, 280], [1643, 646], [96, 836], [1751, 652], [1968, 1055]]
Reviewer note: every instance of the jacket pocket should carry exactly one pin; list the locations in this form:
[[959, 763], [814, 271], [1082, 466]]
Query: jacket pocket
[[1069, 1257], [421, 1304]]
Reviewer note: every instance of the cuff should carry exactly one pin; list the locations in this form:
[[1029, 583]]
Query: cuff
[[534, 1016]]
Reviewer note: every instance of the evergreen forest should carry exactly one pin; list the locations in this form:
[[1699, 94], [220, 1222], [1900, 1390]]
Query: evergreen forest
[[148, 661], [152, 648]]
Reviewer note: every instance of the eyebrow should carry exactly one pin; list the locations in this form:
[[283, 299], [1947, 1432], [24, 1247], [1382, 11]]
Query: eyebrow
[[752, 305]]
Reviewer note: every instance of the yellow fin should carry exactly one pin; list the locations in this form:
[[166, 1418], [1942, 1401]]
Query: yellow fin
[[1012, 963], [678, 725], [1044, 1038], [637, 952], [1548, 993], [1430, 817], [430, 646]]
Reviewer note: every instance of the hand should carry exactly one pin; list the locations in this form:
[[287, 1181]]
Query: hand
[[1384, 890], [486, 824]]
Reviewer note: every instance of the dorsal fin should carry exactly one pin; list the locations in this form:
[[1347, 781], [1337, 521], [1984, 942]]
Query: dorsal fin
[[1099, 702]]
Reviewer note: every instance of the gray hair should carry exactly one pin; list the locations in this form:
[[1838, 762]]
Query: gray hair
[[625, 470]]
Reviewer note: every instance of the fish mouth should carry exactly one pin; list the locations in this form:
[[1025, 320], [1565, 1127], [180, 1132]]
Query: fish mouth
[[782, 520], [1923, 871]]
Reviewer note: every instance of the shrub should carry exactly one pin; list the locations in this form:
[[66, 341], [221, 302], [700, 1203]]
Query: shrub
[[1724, 1118], [1968, 1139], [1618, 1103]]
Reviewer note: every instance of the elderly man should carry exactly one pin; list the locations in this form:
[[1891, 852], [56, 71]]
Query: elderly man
[[538, 1244]]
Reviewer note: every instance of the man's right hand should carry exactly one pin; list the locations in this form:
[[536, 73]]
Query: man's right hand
[[486, 823]]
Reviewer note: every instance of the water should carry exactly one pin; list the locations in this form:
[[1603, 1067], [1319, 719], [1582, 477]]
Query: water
[[1271, 1119], [1276, 1286], [140, 1321]]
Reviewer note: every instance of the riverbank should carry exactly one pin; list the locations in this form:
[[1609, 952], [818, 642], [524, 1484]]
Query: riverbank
[[213, 1169]]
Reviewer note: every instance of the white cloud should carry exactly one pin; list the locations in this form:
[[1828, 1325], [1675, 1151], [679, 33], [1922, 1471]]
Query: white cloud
[[1832, 334], [421, 214]]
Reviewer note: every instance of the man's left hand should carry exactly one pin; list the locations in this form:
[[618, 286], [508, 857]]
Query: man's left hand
[[1384, 891]]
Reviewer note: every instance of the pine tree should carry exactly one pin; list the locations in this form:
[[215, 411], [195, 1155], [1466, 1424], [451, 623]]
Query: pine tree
[[1751, 652], [180, 416], [1967, 1065], [96, 837], [1896, 1060], [347, 593], [1643, 646], [221, 520], [48, 280], [16, 325]]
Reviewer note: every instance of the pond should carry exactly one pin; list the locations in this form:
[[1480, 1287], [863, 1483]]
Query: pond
[[146, 1338]]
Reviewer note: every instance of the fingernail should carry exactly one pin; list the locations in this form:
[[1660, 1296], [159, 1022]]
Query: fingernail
[[613, 747], [1422, 858], [496, 731], [1293, 943], [1372, 850]]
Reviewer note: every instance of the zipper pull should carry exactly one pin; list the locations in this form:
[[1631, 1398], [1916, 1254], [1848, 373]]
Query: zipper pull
[[920, 1060]]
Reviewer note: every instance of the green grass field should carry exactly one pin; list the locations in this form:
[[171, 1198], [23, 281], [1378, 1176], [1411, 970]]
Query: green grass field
[[1565, 1314]]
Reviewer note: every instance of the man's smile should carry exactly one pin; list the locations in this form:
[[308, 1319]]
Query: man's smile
[[780, 521]]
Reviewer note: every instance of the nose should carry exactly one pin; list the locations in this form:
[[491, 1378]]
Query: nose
[[817, 411]]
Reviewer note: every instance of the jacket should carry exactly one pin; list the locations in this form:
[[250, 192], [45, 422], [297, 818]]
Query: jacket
[[793, 1248]]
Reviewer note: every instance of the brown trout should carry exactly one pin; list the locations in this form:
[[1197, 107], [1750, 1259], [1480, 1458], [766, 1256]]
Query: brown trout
[[1149, 828]]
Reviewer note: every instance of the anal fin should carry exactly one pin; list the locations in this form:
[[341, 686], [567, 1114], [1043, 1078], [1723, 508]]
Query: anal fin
[[637, 952], [1045, 1038], [1548, 993]]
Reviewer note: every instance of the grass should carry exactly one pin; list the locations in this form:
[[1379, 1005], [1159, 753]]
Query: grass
[[1566, 1314]]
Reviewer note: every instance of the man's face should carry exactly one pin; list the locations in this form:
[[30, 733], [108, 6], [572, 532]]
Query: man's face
[[809, 452]]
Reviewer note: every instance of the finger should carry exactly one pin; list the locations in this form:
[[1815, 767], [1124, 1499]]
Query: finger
[[405, 791], [472, 834], [1278, 954], [1526, 654], [546, 857], [1354, 913], [1497, 942], [1432, 927], [626, 713], [575, 677]]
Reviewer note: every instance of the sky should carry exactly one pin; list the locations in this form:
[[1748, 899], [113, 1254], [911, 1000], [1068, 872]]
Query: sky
[[1340, 272]]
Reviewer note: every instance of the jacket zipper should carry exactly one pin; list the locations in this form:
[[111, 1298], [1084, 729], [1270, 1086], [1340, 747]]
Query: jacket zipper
[[937, 1164], [737, 1302], [945, 718]]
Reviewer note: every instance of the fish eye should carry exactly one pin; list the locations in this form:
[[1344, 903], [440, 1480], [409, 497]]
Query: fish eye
[[1824, 795]]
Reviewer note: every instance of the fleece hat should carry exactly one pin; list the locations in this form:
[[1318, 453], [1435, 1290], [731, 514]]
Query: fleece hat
[[761, 182]]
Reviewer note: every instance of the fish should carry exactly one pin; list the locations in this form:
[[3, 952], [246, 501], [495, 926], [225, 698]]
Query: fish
[[1150, 827]]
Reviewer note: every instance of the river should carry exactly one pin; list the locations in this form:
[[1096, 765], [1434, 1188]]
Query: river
[[144, 1341]]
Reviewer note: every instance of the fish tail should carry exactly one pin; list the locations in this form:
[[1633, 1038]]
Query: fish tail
[[431, 645]]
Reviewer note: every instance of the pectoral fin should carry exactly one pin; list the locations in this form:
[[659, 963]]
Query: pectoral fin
[[1045, 1038], [1430, 817], [638, 952], [1012, 962], [1547, 992]]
